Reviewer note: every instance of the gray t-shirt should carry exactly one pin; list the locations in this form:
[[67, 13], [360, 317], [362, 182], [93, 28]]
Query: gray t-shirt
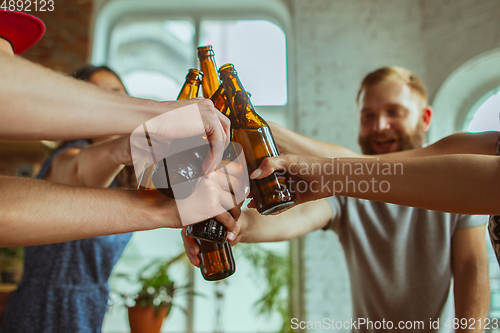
[[399, 259]]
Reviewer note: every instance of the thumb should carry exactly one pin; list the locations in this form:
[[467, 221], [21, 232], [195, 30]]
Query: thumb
[[271, 164]]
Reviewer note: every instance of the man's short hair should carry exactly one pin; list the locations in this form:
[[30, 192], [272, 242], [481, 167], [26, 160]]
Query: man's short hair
[[394, 73]]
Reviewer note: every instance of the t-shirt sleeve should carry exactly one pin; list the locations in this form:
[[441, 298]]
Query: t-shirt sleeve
[[471, 221], [336, 203]]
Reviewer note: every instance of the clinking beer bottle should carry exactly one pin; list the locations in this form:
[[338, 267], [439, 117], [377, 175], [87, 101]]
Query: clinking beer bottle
[[156, 177], [211, 81], [216, 260], [191, 86], [184, 167], [270, 194], [148, 180]]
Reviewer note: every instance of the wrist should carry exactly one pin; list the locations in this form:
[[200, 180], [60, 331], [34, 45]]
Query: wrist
[[120, 151], [158, 211]]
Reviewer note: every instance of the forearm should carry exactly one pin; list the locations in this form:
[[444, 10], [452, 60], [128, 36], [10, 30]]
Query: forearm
[[470, 277], [293, 223], [472, 298], [461, 143], [466, 184], [40, 212], [290, 142], [98, 164], [40, 104]]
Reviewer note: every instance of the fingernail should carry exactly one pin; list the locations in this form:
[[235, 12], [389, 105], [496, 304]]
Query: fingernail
[[230, 236], [247, 189], [256, 174]]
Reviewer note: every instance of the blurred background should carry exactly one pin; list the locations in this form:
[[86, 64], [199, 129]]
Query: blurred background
[[302, 61]]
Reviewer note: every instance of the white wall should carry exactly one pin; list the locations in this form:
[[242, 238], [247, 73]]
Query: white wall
[[337, 43]]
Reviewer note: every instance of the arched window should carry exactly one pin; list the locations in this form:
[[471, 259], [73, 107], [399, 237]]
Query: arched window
[[469, 100], [457, 99], [485, 116]]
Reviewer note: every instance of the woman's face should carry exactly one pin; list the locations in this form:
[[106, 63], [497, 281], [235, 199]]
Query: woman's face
[[107, 81]]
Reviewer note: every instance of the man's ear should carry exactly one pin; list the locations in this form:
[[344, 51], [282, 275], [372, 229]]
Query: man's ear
[[427, 113]]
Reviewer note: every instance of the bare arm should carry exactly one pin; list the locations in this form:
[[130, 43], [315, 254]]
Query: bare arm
[[461, 143], [466, 184], [40, 212], [290, 142], [293, 223], [93, 166], [39, 104], [471, 278]]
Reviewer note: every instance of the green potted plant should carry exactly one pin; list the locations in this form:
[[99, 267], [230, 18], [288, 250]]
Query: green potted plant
[[275, 272], [148, 308]]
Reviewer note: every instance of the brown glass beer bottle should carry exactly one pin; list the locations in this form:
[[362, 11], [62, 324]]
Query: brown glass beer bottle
[[216, 260], [211, 80], [189, 90], [211, 229], [271, 194], [184, 169], [191, 85]]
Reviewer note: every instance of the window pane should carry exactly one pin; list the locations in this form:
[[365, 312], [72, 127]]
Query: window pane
[[486, 118], [257, 48], [151, 85], [153, 57]]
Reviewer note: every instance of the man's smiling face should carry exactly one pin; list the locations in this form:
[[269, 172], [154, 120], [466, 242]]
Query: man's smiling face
[[392, 118]]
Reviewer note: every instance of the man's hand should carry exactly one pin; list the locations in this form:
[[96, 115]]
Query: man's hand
[[304, 169]]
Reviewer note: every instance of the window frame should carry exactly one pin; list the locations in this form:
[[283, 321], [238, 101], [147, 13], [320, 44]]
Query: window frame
[[275, 11]]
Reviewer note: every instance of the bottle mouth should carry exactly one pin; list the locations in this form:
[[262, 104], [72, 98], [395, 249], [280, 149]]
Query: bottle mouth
[[194, 74], [205, 51], [227, 69], [195, 71]]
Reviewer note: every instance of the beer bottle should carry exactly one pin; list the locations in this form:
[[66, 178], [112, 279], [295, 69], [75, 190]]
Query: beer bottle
[[184, 168], [271, 194], [191, 85], [211, 80], [216, 260], [189, 90]]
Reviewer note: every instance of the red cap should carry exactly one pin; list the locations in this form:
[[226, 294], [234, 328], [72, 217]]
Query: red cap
[[20, 29]]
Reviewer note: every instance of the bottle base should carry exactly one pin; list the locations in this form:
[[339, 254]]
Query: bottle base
[[276, 207], [207, 238], [218, 276]]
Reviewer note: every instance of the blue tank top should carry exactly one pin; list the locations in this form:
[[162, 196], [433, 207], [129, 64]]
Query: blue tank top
[[65, 286]]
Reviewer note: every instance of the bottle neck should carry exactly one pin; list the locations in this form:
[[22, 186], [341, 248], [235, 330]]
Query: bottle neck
[[189, 90], [243, 112], [211, 81]]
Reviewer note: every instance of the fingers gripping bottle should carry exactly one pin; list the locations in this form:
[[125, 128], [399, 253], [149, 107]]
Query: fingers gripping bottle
[[273, 193]]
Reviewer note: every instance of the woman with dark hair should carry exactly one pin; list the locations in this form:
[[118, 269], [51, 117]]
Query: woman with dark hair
[[100, 76], [65, 285]]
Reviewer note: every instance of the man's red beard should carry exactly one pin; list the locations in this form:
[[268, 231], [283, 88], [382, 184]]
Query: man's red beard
[[406, 141]]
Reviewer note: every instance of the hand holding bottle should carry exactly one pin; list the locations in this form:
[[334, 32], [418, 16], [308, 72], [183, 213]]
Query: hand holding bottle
[[307, 173], [198, 116]]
